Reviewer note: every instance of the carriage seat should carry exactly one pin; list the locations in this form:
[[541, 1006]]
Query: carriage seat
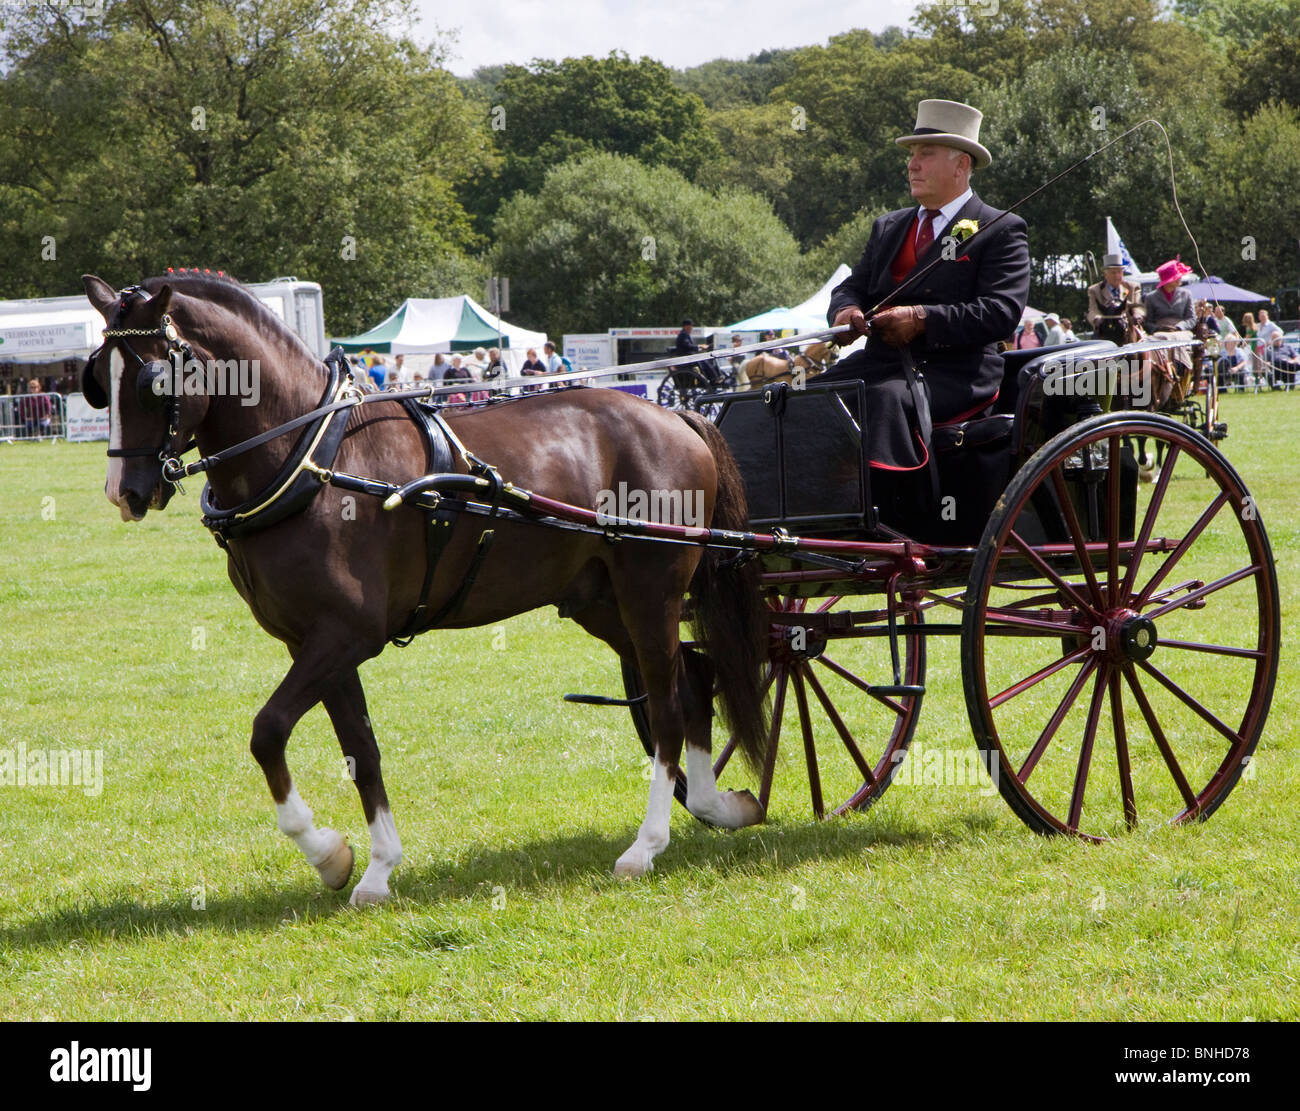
[[1019, 367]]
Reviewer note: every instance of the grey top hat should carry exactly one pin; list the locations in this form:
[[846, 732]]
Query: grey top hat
[[949, 123], [1112, 260]]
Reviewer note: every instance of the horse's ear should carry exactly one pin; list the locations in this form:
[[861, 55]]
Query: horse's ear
[[160, 302], [101, 294]]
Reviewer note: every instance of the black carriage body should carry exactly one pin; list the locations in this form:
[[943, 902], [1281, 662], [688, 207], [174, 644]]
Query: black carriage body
[[804, 462]]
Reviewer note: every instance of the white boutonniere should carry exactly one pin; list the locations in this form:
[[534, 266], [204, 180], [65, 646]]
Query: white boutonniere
[[964, 229]]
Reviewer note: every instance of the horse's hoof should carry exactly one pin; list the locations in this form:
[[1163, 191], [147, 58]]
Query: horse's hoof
[[634, 864], [749, 810], [363, 898], [336, 869]]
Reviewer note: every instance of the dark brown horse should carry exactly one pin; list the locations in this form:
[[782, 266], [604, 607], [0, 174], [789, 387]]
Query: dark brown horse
[[339, 579]]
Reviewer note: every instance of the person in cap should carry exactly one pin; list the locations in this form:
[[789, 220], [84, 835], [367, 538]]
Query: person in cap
[[1055, 333], [949, 323], [1168, 307], [1114, 305]]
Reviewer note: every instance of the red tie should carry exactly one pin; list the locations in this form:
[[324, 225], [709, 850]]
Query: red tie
[[925, 236]]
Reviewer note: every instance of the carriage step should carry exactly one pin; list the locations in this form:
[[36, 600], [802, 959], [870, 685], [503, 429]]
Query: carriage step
[[898, 689], [601, 700]]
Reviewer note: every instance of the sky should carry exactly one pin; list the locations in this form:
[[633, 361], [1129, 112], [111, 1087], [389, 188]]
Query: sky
[[679, 33]]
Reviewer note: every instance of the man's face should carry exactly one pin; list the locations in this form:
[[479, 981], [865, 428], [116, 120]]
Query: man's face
[[935, 176], [1263, 316], [1114, 275]]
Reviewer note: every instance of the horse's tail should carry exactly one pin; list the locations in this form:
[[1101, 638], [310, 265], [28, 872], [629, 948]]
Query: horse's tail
[[729, 615]]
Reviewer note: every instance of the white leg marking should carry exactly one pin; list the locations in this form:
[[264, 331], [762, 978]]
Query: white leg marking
[[652, 837], [113, 484], [324, 849], [385, 855], [725, 809]]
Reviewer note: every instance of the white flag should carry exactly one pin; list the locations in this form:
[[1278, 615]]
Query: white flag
[[1115, 246]]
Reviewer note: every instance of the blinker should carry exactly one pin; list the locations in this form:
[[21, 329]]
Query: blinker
[[154, 384]]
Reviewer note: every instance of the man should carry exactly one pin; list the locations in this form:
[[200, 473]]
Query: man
[[1267, 331], [1169, 308], [1283, 362], [948, 323], [1224, 322], [554, 364], [1230, 368], [1067, 326], [1114, 305], [686, 344], [738, 363], [1055, 333]]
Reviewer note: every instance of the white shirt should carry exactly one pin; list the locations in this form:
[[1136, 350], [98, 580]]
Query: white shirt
[[1266, 332], [946, 214]]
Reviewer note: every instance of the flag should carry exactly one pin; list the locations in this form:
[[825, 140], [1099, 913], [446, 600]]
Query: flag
[[1115, 246]]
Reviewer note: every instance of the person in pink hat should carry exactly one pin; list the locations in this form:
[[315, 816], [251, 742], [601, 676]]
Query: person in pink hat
[[1168, 307]]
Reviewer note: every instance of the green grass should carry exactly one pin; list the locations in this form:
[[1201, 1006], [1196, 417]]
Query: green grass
[[513, 806]]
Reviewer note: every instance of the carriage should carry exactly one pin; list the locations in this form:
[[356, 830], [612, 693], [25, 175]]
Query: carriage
[[1118, 638]]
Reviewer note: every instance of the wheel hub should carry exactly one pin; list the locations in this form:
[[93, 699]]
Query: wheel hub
[[1132, 637]]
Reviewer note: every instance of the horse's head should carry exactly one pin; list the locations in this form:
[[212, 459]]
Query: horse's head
[[137, 376]]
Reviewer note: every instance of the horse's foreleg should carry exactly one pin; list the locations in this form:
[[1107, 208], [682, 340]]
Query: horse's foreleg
[[659, 660], [346, 705], [724, 809], [298, 692]]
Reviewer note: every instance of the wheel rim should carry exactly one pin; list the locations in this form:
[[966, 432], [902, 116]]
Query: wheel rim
[[1119, 683]]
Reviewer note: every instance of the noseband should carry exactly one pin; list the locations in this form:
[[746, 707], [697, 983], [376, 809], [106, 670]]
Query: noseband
[[148, 375]]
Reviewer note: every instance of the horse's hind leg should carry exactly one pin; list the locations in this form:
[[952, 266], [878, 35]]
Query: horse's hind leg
[[724, 809], [306, 684], [346, 705]]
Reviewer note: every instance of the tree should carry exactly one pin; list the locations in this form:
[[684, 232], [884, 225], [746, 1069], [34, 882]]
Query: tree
[[261, 137], [1250, 211], [726, 84], [1050, 119], [550, 112], [856, 100], [609, 241], [1265, 71]]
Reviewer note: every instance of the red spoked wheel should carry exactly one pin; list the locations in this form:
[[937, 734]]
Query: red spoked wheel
[[834, 702], [1120, 640]]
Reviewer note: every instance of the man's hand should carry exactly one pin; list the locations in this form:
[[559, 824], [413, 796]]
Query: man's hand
[[900, 325], [853, 317]]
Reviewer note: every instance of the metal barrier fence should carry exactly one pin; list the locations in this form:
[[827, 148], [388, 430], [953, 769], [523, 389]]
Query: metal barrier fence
[[32, 416]]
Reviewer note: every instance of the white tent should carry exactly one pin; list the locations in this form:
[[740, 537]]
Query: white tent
[[810, 316]]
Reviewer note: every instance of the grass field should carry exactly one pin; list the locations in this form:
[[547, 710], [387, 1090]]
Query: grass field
[[171, 895]]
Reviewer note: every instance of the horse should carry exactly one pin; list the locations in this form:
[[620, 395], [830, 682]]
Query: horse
[[765, 368], [336, 590]]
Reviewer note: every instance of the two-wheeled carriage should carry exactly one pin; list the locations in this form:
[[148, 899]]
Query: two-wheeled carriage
[[1119, 639]]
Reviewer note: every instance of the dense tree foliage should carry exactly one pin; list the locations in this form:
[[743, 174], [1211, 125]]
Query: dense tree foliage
[[314, 137], [550, 112], [609, 240], [263, 137]]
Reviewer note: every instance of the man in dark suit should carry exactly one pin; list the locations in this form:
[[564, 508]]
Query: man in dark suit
[[950, 322]]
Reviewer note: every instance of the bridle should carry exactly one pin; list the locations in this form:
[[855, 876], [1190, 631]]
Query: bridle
[[148, 379]]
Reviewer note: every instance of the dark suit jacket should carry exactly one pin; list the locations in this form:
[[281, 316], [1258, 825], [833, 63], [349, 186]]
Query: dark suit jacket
[[971, 303]]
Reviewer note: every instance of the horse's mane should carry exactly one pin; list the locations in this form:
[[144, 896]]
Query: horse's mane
[[234, 296]]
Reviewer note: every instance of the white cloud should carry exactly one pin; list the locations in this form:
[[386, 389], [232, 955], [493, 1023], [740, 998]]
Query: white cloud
[[679, 33]]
